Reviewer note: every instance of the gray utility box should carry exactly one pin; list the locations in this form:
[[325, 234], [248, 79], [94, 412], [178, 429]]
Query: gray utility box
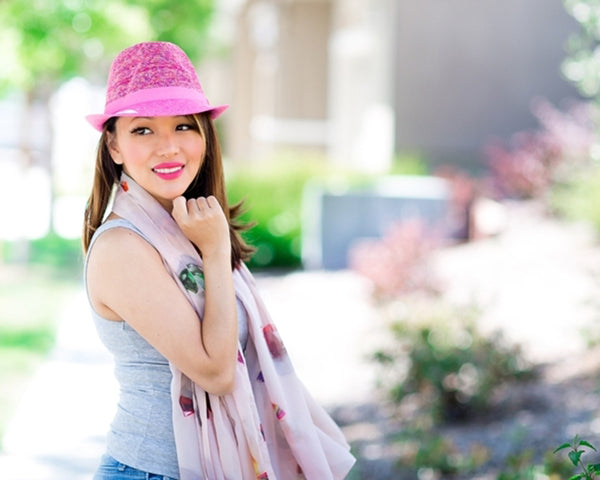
[[335, 219]]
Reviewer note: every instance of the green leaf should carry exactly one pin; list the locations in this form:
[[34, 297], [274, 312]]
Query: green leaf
[[383, 357], [577, 477], [562, 447], [587, 444], [574, 456], [594, 468]]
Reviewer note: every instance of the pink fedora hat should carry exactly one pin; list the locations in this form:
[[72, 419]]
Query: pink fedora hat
[[153, 79]]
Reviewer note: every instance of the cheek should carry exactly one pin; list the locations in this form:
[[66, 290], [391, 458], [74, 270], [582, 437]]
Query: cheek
[[198, 151], [131, 155]]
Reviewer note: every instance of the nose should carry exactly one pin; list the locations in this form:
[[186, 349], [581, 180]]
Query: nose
[[168, 146]]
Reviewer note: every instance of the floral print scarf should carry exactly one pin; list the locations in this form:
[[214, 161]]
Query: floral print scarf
[[269, 427]]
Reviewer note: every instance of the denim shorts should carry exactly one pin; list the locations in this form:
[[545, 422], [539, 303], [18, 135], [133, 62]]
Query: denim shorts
[[110, 469]]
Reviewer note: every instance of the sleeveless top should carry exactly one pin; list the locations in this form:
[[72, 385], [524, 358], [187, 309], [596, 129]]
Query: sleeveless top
[[141, 433]]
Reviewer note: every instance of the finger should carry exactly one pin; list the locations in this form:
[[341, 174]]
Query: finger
[[193, 206], [179, 207], [201, 204], [212, 202]]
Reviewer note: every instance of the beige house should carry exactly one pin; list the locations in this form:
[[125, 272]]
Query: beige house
[[362, 79]]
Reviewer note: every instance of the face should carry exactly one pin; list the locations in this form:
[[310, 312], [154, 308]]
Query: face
[[162, 154]]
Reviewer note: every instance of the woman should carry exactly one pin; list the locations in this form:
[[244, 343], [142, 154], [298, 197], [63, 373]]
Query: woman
[[207, 388]]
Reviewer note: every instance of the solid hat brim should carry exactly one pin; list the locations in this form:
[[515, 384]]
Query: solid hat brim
[[157, 108]]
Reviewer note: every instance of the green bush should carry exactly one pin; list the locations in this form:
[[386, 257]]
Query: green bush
[[409, 163], [426, 450], [579, 197], [273, 191], [272, 196], [520, 466], [51, 251], [438, 354]]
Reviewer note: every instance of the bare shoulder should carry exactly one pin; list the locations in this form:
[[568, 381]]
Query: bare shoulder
[[119, 262], [119, 242], [119, 249]]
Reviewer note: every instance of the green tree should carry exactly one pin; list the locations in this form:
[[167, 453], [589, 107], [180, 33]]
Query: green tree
[[46, 42], [582, 65]]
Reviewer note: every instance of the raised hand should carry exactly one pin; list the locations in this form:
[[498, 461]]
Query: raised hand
[[203, 222]]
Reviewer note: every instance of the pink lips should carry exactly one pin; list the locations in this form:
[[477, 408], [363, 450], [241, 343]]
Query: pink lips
[[168, 170]]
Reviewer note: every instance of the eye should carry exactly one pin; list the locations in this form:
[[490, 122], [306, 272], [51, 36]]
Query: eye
[[184, 127], [141, 131]]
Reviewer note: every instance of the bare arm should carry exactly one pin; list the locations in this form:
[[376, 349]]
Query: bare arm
[[127, 280], [203, 222]]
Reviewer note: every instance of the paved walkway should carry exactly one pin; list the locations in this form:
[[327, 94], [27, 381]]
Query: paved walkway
[[539, 282]]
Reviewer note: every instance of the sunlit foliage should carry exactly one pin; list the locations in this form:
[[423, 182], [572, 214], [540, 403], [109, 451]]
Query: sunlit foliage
[[45, 43]]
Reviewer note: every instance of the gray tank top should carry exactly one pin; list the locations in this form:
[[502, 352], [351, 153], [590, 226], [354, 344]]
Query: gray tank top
[[141, 433]]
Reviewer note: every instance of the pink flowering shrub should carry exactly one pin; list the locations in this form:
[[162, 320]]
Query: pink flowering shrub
[[398, 262], [533, 160]]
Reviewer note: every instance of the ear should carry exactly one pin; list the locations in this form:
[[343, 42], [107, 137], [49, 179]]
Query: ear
[[113, 148]]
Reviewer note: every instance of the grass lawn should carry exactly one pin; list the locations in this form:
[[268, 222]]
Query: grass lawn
[[31, 302]]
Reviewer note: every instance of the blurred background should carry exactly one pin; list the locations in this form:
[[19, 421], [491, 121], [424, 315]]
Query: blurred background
[[423, 174]]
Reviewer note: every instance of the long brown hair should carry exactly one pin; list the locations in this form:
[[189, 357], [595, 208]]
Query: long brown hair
[[209, 181]]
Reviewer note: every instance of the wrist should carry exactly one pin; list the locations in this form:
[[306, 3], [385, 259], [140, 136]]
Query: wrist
[[216, 255]]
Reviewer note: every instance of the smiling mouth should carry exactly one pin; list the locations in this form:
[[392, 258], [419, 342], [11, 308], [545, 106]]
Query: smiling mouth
[[167, 170]]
